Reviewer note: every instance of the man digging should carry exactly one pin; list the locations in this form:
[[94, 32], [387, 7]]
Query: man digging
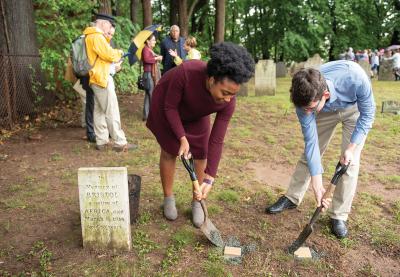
[[340, 92]]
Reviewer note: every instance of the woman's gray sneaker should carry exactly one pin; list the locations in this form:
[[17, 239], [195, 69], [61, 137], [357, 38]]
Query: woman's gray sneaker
[[170, 211], [197, 214]]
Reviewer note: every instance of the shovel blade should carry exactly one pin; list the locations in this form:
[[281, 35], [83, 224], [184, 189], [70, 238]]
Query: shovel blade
[[212, 233], [301, 239]]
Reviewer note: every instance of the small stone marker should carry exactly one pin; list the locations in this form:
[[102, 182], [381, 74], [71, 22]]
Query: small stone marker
[[391, 107], [303, 253], [104, 207], [265, 78], [230, 252]]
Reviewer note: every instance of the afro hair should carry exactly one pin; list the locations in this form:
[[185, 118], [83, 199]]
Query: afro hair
[[231, 61]]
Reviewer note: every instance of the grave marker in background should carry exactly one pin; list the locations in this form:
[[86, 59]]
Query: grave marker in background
[[104, 207], [265, 78], [366, 66], [386, 71], [281, 69], [247, 89]]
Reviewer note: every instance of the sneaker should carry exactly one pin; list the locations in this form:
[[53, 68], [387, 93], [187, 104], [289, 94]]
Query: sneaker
[[124, 148]]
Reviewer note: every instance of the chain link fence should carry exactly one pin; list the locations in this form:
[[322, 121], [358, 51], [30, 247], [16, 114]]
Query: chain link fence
[[22, 89]]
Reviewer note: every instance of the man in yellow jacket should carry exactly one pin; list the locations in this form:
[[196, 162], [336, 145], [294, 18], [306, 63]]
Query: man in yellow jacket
[[101, 55]]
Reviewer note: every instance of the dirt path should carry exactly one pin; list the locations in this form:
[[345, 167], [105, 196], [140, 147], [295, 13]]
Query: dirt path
[[39, 211]]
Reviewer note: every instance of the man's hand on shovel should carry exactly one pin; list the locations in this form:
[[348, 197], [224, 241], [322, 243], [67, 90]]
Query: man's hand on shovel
[[319, 192]]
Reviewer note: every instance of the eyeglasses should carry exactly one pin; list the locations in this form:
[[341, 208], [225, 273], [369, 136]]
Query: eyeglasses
[[313, 109]]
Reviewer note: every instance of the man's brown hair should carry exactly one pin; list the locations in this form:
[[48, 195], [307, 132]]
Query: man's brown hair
[[308, 85]]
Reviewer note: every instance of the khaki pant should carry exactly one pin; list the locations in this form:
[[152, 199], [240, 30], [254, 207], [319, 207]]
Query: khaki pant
[[346, 188], [107, 120]]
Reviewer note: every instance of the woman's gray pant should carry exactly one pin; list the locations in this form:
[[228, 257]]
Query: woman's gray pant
[[149, 86]]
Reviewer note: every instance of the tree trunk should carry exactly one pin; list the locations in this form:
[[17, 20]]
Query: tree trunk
[[173, 12], [147, 15], [21, 82], [219, 21], [332, 12], [105, 6], [134, 7], [183, 17]]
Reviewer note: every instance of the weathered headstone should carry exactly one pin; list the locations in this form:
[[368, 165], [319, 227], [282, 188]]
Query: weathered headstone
[[313, 62], [265, 78], [281, 70], [104, 206], [391, 107], [386, 70], [247, 89], [366, 66], [295, 67]]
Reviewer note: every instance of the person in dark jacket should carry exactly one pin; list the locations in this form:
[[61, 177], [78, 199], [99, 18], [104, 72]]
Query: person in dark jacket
[[172, 42]]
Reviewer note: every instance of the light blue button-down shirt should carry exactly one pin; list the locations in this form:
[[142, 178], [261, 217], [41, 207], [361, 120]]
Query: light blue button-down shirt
[[348, 85]]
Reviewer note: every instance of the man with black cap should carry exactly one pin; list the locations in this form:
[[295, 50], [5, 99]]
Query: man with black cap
[[106, 111]]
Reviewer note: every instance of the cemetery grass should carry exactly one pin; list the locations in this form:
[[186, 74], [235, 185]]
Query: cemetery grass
[[40, 233]]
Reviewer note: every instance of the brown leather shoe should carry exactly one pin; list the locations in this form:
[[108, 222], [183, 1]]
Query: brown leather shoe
[[102, 147], [124, 148]]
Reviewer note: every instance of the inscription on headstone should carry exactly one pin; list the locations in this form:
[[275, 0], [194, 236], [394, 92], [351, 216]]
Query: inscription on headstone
[[265, 78], [281, 69], [386, 71], [104, 207]]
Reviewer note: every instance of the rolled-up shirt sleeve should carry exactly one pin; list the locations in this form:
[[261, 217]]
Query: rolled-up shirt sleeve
[[216, 140], [172, 99], [366, 107], [311, 144]]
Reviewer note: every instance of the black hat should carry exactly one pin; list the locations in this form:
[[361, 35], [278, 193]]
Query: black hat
[[107, 17]]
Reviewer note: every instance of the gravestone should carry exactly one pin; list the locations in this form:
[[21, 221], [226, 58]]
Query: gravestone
[[247, 89], [104, 207], [265, 78], [366, 66], [281, 69], [386, 70], [313, 62], [296, 67], [391, 107]]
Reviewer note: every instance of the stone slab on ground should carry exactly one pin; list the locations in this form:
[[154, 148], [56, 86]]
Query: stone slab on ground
[[104, 207], [391, 107], [265, 78], [303, 253], [230, 251]]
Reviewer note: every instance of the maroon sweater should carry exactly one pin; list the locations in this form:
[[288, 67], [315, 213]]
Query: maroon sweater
[[147, 59], [181, 105]]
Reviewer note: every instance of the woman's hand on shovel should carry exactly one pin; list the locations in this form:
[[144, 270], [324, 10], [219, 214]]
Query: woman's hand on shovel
[[184, 148]]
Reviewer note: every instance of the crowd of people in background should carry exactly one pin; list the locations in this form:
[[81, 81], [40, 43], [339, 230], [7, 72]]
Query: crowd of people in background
[[374, 58]]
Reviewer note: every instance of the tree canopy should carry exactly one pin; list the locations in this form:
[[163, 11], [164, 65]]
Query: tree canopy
[[291, 30]]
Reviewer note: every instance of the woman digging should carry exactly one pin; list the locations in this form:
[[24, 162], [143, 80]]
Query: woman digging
[[180, 112]]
